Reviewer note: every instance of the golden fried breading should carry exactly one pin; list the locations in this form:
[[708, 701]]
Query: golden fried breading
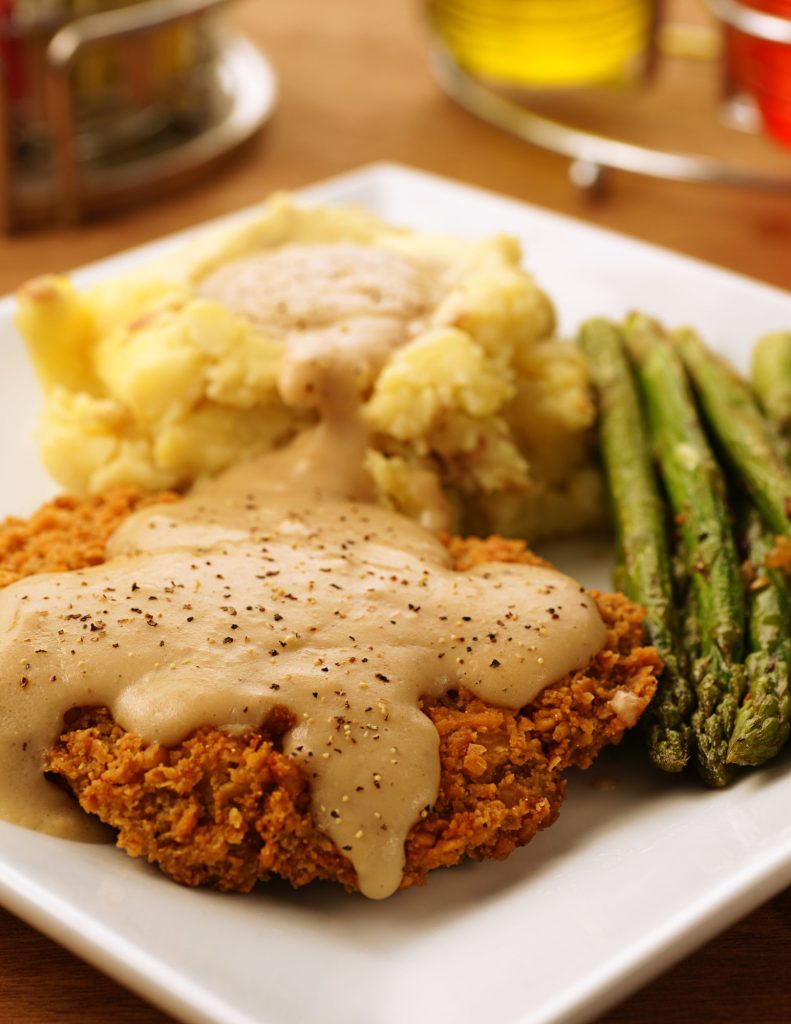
[[230, 810], [67, 533]]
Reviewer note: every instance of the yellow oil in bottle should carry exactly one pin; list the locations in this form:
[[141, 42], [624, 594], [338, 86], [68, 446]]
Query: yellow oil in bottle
[[546, 43]]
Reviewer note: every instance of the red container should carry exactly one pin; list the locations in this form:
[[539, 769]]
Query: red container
[[10, 54], [762, 68]]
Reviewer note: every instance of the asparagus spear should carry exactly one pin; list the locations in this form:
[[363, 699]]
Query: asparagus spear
[[763, 722], [697, 495], [748, 442], [644, 566], [771, 378]]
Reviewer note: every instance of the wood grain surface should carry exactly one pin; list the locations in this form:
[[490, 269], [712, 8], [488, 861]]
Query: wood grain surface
[[355, 88]]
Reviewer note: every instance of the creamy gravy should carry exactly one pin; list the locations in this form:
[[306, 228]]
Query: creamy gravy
[[340, 308], [341, 303], [263, 589]]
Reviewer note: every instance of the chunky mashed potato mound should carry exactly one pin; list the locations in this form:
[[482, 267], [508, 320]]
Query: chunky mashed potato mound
[[152, 381]]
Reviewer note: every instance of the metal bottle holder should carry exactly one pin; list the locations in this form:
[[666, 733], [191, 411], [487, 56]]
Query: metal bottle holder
[[88, 151], [591, 154]]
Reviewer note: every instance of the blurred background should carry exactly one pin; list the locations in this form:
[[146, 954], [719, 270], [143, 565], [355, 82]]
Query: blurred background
[[122, 122]]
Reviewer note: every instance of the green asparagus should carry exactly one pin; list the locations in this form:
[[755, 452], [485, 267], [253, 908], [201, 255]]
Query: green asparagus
[[748, 442], [696, 490], [763, 722], [771, 377], [644, 567]]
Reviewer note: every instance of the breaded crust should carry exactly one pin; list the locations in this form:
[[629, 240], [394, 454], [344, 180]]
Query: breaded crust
[[231, 810], [67, 533]]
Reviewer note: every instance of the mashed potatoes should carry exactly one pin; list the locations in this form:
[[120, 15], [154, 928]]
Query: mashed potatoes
[[176, 370]]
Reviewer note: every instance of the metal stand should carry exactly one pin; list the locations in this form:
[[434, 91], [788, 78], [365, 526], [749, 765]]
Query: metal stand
[[84, 169]]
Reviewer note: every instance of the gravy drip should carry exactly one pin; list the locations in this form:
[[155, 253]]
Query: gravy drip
[[341, 303]]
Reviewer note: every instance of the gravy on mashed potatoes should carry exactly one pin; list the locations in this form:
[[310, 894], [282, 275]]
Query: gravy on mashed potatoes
[[478, 420]]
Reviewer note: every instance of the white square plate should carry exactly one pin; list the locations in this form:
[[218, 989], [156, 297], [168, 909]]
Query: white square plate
[[630, 879]]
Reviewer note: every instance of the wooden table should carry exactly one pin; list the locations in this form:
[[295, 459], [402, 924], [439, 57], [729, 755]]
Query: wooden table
[[355, 88]]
